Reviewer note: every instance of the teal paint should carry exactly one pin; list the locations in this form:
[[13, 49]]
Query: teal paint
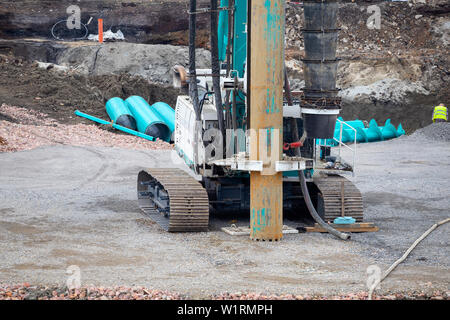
[[273, 38], [240, 36], [222, 33], [260, 218], [239, 48], [239, 44], [186, 159], [344, 220]]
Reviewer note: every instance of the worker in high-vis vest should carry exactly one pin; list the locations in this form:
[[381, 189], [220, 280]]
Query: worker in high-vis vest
[[440, 113]]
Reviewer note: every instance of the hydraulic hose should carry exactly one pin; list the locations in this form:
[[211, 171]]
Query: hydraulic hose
[[314, 214], [193, 90], [305, 191], [215, 67]]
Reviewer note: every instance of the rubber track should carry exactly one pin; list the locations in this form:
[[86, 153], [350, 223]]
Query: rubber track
[[330, 188], [189, 204]]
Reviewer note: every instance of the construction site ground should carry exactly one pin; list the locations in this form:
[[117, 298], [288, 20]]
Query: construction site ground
[[65, 205], [68, 187]]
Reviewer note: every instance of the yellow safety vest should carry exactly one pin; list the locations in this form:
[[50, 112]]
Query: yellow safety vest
[[440, 113]]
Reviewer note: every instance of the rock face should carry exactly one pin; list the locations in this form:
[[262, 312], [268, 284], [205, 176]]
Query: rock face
[[404, 65], [151, 62], [399, 27], [400, 71], [142, 21]]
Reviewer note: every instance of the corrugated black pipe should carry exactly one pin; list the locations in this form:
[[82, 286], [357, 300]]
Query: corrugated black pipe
[[304, 186], [193, 90], [215, 67]]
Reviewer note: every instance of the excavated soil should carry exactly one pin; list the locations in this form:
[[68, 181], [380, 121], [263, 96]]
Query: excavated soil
[[59, 94]]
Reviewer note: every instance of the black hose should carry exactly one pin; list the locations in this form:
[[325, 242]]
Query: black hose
[[215, 67], [305, 191], [313, 212], [193, 90]]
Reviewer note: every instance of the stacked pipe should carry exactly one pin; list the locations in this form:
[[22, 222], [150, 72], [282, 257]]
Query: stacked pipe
[[320, 105], [157, 120], [372, 133]]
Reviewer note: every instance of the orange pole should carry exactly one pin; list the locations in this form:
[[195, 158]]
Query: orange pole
[[100, 30]]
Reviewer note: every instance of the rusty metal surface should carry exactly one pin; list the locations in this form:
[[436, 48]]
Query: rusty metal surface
[[266, 117]]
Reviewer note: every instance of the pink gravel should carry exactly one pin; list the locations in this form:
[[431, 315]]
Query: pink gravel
[[32, 129], [26, 291], [362, 295]]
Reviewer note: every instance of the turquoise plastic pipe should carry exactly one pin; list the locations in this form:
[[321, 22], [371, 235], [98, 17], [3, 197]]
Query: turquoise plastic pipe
[[371, 134], [147, 119], [389, 130], [166, 113], [115, 126], [354, 123], [400, 130], [135, 133], [119, 113], [92, 118]]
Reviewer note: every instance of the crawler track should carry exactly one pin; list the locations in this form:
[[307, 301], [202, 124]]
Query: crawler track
[[330, 198], [173, 199]]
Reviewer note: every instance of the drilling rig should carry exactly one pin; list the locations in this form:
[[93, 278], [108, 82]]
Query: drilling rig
[[243, 132]]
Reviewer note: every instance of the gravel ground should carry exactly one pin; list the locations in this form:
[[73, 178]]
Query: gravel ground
[[28, 292], [23, 129], [439, 131], [405, 185], [77, 206]]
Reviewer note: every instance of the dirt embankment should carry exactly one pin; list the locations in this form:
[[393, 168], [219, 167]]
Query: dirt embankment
[[59, 94], [141, 21], [400, 71]]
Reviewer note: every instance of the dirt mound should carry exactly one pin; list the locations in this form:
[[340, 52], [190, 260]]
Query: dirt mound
[[403, 26], [439, 131], [59, 94]]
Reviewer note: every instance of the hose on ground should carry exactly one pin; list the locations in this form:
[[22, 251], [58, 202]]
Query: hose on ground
[[405, 255], [313, 212], [305, 191]]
